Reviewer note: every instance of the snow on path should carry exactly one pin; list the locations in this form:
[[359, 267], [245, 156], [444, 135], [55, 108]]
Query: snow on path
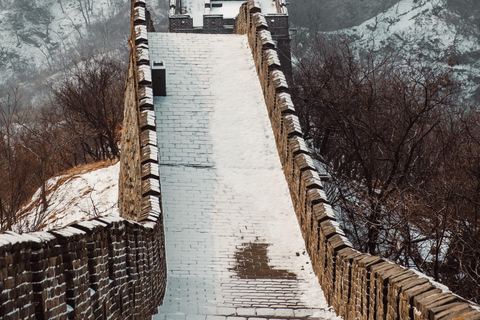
[[233, 244]]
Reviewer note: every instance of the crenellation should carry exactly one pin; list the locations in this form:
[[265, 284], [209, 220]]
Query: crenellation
[[309, 176], [291, 125], [142, 55], [148, 137], [139, 15], [141, 36], [147, 120], [140, 3], [284, 100]]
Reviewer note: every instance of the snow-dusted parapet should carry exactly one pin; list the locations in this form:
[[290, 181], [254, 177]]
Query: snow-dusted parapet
[[139, 139], [357, 285], [106, 268]]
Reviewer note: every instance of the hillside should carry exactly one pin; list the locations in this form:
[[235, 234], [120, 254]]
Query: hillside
[[438, 33], [38, 38], [82, 193]]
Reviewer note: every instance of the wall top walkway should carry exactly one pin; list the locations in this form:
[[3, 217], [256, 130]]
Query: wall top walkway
[[234, 248]]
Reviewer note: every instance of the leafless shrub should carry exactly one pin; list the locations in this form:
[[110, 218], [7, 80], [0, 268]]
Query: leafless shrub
[[403, 154]]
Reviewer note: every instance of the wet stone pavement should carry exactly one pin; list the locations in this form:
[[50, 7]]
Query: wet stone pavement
[[234, 248]]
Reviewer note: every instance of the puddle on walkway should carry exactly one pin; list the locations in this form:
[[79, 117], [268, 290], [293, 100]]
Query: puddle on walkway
[[252, 263]]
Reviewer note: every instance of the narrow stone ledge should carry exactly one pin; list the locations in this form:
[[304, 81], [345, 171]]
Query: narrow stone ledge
[[111, 219], [89, 226], [11, 238], [149, 224], [44, 236], [68, 234]]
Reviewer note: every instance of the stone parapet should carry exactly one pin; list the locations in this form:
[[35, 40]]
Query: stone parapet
[[106, 268], [357, 285]]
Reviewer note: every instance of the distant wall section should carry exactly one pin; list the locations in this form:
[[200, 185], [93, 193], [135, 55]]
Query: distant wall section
[[216, 23], [357, 285]]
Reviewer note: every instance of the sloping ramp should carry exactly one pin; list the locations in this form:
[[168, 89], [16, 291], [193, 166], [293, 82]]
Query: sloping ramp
[[234, 247]]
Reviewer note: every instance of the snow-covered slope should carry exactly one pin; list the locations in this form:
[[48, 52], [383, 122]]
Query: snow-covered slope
[[82, 193], [41, 37], [426, 30], [36, 35], [438, 33]]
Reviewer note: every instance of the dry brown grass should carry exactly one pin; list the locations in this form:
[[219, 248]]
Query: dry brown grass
[[89, 167]]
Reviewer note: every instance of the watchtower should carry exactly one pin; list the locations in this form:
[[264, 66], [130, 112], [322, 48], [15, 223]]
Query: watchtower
[[219, 16]]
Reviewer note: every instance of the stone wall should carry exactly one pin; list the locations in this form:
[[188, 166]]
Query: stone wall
[[108, 267], [357, 285], [139, 184]]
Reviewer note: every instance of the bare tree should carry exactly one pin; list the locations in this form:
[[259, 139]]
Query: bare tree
[[90, 101], [15, 165], [403, 154]]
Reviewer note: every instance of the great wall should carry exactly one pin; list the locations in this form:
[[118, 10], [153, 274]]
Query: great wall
[[115, 268]]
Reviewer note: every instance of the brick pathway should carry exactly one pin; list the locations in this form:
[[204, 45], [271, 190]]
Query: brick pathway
[[234, 249]]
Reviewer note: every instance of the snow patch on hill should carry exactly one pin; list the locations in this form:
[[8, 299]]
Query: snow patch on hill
[[427, 31], [82, 193], [36, 36], [417, 27]]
